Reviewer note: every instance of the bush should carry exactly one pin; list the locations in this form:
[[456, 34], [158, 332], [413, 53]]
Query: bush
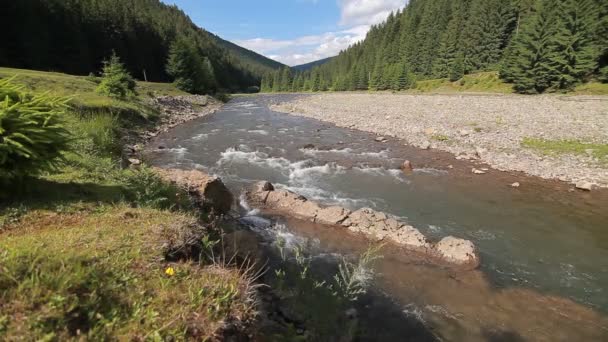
[[32, 134], [97, 133], [116, 81], [145, 188]]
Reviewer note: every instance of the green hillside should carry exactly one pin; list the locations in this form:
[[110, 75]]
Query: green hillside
[[535, 45], [75, 36]]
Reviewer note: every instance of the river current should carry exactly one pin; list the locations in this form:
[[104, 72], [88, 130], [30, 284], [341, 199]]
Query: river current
[[543, 247]]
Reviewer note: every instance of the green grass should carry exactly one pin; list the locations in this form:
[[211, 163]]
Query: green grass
[[599, 151], [82, 91], [100, 273], [440, 137], [485, 82], [84, 249], [490, 82], [592, 88]]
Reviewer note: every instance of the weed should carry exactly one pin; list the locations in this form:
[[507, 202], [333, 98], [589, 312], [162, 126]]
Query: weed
[[440, 137], [545, 146]]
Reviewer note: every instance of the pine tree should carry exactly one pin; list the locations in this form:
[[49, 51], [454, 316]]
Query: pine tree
[[116, 81], [191, 72], [487, 33], [530, 64], [457, 68], [576, 49]]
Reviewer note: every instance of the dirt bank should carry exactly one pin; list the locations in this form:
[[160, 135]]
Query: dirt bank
[[501, 130]]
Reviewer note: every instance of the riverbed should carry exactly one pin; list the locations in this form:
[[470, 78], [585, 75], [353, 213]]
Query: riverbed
[[543, 247]]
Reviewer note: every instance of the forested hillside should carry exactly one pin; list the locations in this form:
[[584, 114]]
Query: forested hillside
[[74, 36], [537, 45], [308, 66]]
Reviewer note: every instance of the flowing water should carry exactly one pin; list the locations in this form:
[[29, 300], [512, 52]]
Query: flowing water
[[544, 247]]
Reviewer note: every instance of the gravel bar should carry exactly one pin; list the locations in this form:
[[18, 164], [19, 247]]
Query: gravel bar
[[489, 128]]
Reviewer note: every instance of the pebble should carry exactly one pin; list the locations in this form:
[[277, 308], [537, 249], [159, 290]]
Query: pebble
[[508, 119], [477, 172], [515, 185]]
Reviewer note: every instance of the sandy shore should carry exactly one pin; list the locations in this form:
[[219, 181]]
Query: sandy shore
[[488, 128]]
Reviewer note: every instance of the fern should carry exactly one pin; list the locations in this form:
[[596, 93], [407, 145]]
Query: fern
[[32, 135]]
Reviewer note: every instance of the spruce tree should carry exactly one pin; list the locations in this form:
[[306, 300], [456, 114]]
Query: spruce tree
[[530, 63], [575, 45], [191, 72]]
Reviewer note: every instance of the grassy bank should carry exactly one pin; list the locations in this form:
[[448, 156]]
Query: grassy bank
[[490, 82], [87, 251]]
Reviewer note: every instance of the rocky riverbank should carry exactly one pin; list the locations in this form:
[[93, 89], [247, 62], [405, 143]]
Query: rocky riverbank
[[483, 128], [174, 111], [374, 225]]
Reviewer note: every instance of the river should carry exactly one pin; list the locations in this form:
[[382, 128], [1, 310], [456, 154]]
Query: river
[[543, 247]]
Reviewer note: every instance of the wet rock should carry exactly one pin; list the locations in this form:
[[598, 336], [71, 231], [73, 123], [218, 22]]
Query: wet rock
[[373, 224], [407, 166], [264, 186], [587, 186], [209, 192], [410, 236], [458, 251], [332, 215], [308, 146]]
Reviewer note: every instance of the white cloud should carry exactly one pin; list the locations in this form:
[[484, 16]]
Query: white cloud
[[367, 12], [356, 18]]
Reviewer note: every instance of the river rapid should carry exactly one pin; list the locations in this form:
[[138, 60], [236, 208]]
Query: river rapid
[[543, 246]]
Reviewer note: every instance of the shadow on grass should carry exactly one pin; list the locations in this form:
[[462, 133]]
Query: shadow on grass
[[37, 193]]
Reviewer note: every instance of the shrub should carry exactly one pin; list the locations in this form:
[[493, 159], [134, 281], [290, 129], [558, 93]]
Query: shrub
[[116, 81], [32, 134], [145, 188], [97, 133]]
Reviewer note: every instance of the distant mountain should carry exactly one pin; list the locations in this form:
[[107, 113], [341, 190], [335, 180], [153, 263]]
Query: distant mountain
[[308, 66], [249, 59]]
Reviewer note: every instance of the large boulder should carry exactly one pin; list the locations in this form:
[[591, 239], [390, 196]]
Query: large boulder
[[209, 192], [458, 251]]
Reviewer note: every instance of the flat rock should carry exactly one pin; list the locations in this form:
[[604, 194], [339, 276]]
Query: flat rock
[[477, 171], [587, 186], [457, 250], [332, 215]]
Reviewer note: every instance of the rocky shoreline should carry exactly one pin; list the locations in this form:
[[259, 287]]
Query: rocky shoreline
[[482, 128], [174, 111], [376, 226]]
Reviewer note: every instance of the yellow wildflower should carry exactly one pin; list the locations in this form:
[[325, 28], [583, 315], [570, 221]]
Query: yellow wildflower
[[170, 271]]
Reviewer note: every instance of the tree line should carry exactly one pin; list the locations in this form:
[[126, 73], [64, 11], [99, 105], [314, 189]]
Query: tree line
[[75, 36], [538, 45]]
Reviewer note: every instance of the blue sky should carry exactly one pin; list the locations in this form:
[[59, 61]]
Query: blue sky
[[290, 31]]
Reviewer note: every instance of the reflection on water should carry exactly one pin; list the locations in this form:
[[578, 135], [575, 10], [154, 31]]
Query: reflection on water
[[539, 238]]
